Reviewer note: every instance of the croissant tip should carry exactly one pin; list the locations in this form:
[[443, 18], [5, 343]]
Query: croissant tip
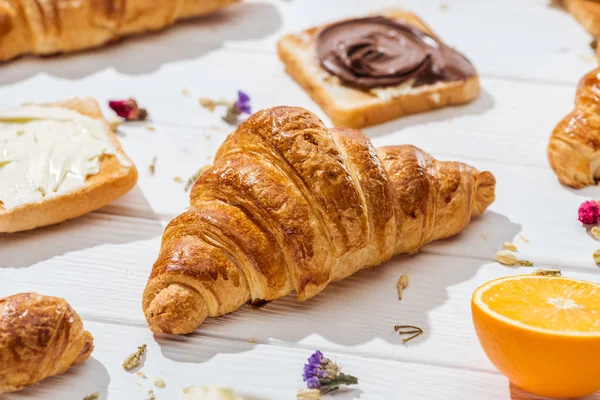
[[176, 309]]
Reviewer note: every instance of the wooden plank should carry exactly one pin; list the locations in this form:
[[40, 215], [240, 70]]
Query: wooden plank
[[263, 371], [514, 39], [100, 263]]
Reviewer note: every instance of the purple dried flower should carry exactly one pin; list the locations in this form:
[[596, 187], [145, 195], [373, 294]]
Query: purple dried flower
[[243, 103], [322, 373]]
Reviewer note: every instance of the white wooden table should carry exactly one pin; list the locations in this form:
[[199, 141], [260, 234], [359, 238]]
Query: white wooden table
[[529, 55]]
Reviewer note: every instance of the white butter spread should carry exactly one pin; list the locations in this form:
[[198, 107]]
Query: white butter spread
[[48, 151], [212, 392]]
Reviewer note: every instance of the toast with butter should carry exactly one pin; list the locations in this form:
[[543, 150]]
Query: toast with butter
[[58, 161], [366, 71]]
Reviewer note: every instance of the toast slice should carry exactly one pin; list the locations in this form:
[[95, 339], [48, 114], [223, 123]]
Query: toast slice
[[355, 108], [113, 181]]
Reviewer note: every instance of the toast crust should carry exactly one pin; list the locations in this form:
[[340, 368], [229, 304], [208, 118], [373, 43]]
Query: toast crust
[[355, 108], [113, 181]]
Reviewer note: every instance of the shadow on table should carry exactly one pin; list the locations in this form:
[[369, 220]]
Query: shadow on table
[[79, 381], [516, 393], [24, 249], [185, 40], [355, 310], [480, 105]]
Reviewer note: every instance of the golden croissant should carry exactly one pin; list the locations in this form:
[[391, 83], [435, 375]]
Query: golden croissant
[[56, 26], [574, 148], [40, 336], [290, 205]]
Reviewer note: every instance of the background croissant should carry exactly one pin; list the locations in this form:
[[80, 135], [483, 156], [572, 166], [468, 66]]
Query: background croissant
[[40, 336], [574, 148], [290, 205], [54, 26]]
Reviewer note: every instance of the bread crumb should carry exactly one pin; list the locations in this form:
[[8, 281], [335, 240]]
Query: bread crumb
[[92, 396], [510, 246], [185, 92], [251, 340], [523, 238], [178, 179], [444, 6], [483, 236], [141, 374], [308, 394], [151, 395], [159, 382], [587, 58], [151, 128], [139, 384], [134, 359]]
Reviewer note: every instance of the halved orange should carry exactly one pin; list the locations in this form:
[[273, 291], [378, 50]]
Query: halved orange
[[542, 332]]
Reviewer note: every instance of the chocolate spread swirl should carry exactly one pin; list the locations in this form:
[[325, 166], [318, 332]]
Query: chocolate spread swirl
[[378, 51]]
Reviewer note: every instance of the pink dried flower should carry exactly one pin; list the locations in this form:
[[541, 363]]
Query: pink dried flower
[[128, 109], [589, 212]]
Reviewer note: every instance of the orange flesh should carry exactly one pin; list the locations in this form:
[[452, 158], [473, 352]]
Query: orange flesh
[[556, 304]]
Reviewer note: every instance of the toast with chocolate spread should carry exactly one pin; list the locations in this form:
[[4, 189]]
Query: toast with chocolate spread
[[366, 71]]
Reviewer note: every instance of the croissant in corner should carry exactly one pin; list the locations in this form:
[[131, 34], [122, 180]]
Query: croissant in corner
[[55, 26], [289, 205], [574, 147], [40, 336]]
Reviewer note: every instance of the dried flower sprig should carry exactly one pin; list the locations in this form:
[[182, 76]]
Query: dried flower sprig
[[234, 108], [506, 258], [414, 331], [128, 110], [401, 285], [547, 272], [134, 359], [589, 212], [152, 166], [323, 374]]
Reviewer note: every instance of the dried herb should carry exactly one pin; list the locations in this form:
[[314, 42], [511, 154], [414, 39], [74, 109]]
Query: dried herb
[[92, 396], [510, 246], [597, 257], [506, 258], [152, 167], [548, 272], [134, 359], [190, 182], [401, 285], [523, 238], [159, 382], [414, 331], [128, 110], [483, 237]]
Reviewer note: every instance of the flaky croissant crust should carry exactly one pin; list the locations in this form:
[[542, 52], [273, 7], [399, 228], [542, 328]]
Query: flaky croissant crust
[[40, 336], [574, 147], [291, 205], [55, 26]]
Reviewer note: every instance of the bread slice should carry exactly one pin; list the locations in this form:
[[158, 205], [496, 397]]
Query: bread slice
[[113, 181], [355, 108]]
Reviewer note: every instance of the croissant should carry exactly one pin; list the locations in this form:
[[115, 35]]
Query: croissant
[[40, 336], [574, 147], [290, 205], [55, 26]]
